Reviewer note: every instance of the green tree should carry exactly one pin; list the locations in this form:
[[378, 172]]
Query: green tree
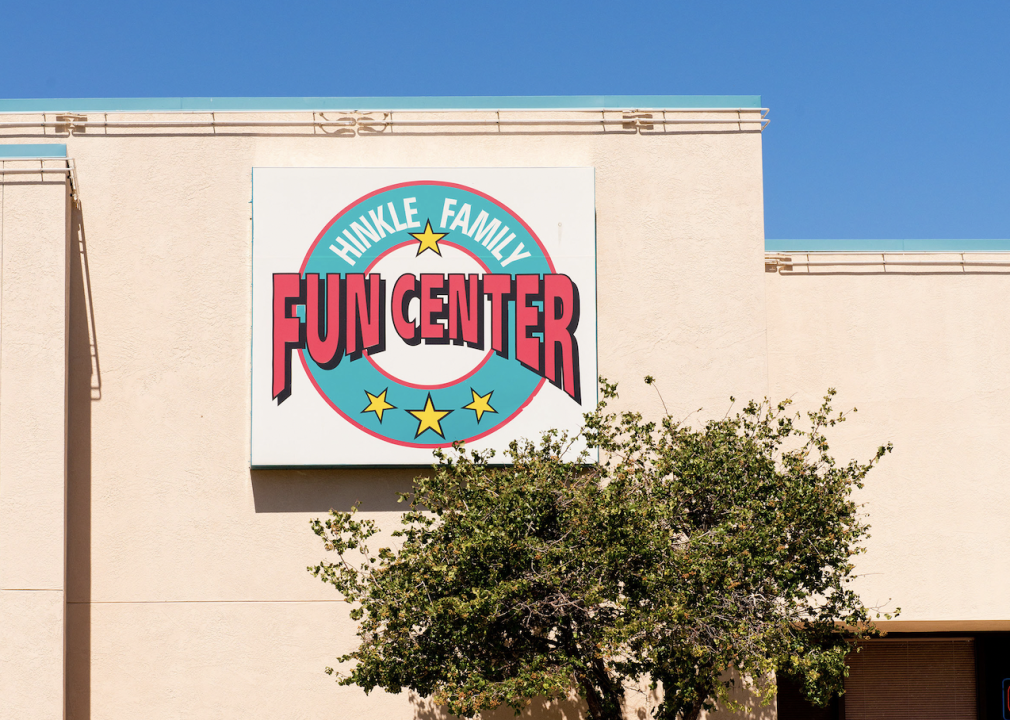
[[685, 553]]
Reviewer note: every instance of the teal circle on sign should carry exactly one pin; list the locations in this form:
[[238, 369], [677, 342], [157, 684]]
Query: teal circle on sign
[[409, 413]]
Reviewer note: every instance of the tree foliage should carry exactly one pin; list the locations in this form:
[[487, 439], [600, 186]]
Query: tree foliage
[[687, 552]]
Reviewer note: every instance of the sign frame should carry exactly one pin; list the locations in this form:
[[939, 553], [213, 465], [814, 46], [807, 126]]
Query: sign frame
[[290, 202]]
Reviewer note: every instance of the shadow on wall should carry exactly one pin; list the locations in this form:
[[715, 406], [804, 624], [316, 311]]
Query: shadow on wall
[[752, 707], [639, 706], [320, 490], [84, 386], [539, 709]]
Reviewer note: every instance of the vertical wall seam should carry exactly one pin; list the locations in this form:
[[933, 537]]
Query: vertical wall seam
[[68, 207], [3, 187]]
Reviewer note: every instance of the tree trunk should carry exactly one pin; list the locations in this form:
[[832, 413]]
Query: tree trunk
[[695, 710], [703, 693], [592, 699], [602, 698]]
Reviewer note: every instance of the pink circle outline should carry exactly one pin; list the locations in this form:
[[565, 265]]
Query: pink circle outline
[[301, 353]]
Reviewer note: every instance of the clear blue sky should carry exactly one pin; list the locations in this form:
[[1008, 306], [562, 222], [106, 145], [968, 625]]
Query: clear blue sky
[[889, 119]]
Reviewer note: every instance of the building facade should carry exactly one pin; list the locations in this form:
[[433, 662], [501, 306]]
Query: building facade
[[149, 569]]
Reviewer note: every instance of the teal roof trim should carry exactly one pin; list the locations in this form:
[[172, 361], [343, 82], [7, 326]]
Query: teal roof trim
[[508, 102], [893, 246], [13, 152]]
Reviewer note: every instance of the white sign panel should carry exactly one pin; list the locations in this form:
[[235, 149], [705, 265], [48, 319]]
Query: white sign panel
[[400, 310]]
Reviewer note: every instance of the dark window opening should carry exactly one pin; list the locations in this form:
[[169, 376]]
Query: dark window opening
[[941, 676]]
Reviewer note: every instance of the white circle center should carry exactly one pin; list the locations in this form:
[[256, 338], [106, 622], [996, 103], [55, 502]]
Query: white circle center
[[425, 364]]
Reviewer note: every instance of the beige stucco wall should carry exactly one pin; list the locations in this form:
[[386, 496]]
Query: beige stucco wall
[[187, 589], [924, 354], [33, 367]]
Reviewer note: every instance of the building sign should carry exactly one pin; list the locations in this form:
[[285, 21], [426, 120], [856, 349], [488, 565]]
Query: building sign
[[399, 310]]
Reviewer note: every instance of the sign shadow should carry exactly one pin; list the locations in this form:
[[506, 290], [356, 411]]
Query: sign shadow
[[324, 489]]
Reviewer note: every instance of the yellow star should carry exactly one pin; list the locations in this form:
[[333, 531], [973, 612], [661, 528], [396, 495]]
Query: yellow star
[[481, 404], [428, 239], [429, 418], [377, 404]]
